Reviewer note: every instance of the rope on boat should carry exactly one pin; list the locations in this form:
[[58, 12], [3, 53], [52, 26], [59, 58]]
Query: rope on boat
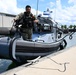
[[61, 64], [70, 36], [63, 46], [34, 60]]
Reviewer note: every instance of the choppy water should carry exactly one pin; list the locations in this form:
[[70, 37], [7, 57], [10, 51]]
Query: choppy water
[[4, 64]]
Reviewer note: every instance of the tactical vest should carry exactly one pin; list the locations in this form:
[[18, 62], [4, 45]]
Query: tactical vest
[[27, 20]]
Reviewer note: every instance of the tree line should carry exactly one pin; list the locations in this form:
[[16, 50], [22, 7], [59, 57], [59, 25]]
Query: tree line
[[68, 27]]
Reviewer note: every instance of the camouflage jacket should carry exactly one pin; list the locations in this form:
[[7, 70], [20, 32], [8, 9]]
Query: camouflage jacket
[[23, 16]]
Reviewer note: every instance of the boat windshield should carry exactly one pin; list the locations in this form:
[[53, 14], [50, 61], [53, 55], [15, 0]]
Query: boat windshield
[[45, 20]]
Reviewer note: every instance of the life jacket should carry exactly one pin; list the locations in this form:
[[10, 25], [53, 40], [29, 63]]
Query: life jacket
[[27, 20]]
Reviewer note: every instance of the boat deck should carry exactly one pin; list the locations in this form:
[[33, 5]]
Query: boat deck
[[48, 38], [61, 63]]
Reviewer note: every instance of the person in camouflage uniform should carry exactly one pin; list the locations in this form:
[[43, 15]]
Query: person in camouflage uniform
[[27, 20]]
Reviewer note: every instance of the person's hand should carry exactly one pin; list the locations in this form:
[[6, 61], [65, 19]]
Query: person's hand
[[36, 21], [14, 20]]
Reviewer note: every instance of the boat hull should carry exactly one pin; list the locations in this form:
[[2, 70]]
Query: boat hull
[[21, 51], [39, 49]]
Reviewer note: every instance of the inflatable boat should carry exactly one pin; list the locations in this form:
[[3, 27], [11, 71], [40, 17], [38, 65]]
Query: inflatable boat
[[42, 44], [17, 48]]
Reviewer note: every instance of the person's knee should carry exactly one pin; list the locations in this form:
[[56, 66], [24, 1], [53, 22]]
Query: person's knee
[[25, 36], [30, 36]]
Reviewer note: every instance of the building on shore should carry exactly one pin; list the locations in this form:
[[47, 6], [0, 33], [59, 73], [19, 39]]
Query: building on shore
[[6, 19]]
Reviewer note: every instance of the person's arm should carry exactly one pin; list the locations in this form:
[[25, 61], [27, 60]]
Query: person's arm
[[18, 17], [34, 19]]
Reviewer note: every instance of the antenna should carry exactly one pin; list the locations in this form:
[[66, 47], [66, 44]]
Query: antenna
[[55, 9], [37, 8]]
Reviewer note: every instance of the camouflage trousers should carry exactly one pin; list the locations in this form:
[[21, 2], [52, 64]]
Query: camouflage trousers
[[27, 33]]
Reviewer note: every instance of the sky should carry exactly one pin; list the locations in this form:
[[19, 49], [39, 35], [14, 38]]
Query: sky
[[64, 11]]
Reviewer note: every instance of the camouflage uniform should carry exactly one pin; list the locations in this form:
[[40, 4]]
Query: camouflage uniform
[[25, 30], [27, 33]]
